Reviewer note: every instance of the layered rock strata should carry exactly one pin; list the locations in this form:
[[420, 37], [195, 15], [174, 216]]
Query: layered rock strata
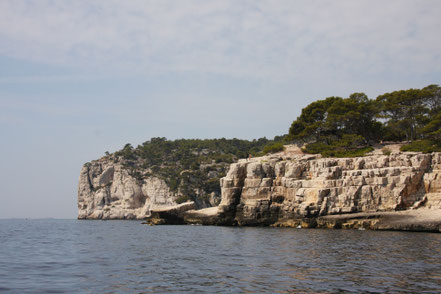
[[400, 191], [271, 190], [281, 190]]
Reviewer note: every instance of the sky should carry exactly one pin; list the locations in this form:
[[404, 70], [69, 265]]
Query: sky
[[79, 78]]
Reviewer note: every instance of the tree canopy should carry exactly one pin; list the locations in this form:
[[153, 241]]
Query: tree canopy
[[190, 167], [405, 115]]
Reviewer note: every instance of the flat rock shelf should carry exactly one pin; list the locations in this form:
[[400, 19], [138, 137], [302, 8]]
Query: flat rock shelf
[[401, 191]]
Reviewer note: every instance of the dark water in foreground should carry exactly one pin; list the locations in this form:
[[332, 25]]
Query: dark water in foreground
[[70, 256]]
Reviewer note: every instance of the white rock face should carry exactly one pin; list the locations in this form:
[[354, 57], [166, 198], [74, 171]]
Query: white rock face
[[271, 188], [107, 191], [267, 189]]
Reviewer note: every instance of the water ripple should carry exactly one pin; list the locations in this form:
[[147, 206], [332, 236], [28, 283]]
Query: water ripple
[[69, 256]]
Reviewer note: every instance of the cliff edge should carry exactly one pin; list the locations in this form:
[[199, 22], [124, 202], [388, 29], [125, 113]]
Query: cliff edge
[[274, 190], [129, 183], [106, 190], [397, 191]]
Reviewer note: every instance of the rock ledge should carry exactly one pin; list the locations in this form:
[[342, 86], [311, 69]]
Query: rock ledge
[[401, 191]]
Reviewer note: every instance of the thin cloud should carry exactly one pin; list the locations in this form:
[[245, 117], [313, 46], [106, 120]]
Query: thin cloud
[[263, 39]]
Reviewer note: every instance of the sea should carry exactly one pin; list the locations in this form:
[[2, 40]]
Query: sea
[[83, 256]]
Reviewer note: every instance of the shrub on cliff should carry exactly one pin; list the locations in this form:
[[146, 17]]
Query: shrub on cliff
[[212, 185], [182, 199], [348, 146], [425, 146], [127, 152], [386, 151], [191, 166], [273, 148]]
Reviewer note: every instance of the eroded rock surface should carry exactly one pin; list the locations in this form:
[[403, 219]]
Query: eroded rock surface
[[170, 215], [107, 191], [274, 190], [279, 190]]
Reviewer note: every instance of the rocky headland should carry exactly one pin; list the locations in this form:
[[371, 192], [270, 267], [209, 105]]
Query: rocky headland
[[107, 190], [399, 191], [344, 176], [159, 173]]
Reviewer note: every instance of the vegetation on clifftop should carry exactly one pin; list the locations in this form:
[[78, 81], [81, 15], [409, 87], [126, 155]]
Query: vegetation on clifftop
[[333, 127], [191, 167], [344, 127]]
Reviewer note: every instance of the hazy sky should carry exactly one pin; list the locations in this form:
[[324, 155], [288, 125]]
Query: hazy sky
[[78, 78]]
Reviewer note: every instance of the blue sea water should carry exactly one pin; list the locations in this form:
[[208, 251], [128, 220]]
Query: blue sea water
[[73, 256]]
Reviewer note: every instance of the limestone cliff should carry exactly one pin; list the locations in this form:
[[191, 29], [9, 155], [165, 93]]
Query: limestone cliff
[[276, 190], [107, 191], [401, 191], [130, 182]]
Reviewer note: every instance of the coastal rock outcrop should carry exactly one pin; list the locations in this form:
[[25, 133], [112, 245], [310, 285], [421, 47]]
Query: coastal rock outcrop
[[130, 183], [401, 191], [273, 190], [282, 189], [107, 191]]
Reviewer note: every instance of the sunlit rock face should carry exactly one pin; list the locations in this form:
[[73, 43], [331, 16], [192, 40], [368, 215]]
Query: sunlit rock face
[[274, 189], [107, 191], [269, 189]]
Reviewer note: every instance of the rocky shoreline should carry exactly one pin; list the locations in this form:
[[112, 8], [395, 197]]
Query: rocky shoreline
[[418, 220], [399, 191]]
